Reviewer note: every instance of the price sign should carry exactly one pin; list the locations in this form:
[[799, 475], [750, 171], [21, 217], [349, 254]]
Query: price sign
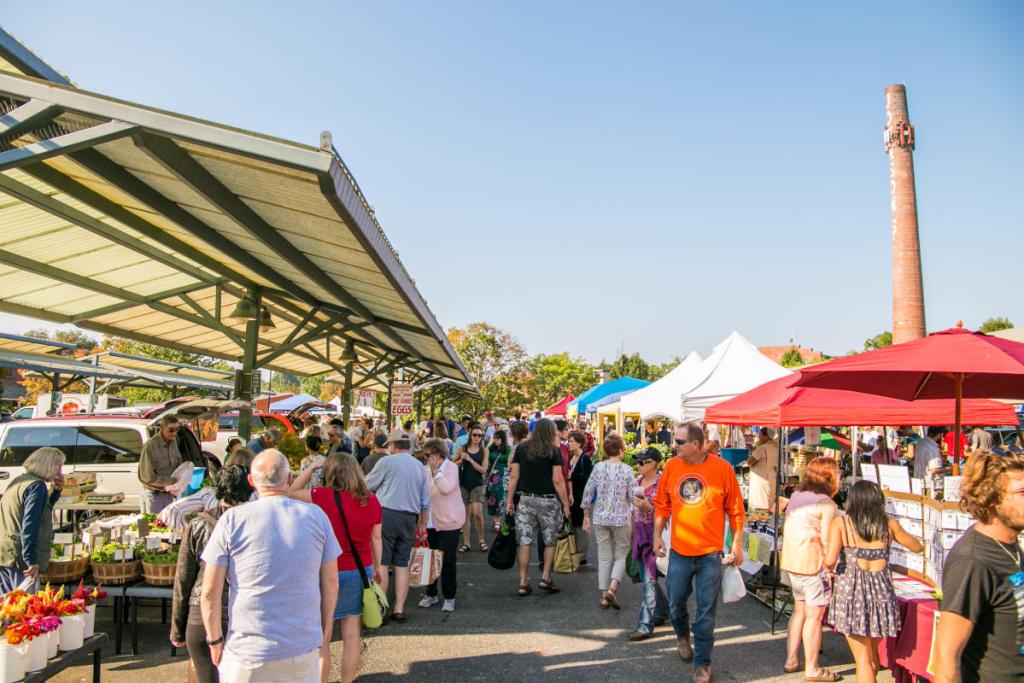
[[401, 398]]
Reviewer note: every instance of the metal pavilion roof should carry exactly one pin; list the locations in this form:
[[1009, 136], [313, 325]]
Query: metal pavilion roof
[[17, 342], [124, 360], [69, 369], [132, 221]]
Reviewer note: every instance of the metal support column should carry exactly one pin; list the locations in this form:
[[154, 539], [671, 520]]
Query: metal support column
[[346, 395], [55, 395], [419, 407], [387, 417], [433, 403], [252, 339], [92, 386]]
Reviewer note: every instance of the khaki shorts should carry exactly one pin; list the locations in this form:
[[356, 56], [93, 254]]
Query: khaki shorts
[[473, 495], [814, 589]]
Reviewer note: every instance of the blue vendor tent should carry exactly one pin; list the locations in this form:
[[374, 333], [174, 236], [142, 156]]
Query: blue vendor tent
[[596, 393]]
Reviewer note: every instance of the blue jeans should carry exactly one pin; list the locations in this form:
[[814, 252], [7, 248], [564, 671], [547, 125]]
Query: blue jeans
[[704, 574], [653, 605]]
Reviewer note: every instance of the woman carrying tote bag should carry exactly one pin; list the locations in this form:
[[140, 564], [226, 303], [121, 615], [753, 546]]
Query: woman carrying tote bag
[[346, 492]]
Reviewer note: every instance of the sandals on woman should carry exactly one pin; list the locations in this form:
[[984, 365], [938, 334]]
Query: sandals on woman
[[464, 547], [604, 601], [548, 585], [609, 596], [524, 590], [824, 675], [483, 547]]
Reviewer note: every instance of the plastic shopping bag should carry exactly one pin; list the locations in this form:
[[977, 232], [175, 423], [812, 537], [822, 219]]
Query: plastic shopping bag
[[733, 587], [425, 564]]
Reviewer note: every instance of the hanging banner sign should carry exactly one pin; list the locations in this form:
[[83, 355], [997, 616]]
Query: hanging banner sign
[[363, 398], [401, 398]]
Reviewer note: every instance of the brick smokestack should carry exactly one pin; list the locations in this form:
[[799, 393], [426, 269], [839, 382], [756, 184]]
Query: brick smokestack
[[907, 286]]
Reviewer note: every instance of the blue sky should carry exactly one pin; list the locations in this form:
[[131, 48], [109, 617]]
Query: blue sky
[[589, 174]]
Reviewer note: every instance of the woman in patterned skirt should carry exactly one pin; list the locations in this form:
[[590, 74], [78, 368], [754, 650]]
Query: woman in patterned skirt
[[863, 604], [500, 450]]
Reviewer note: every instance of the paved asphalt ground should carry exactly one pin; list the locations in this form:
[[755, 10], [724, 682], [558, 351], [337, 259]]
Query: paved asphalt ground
[[495, 636]]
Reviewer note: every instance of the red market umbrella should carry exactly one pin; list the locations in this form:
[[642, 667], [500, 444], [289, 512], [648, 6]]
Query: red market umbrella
[[954, 363], [780, 403], [559, 408]]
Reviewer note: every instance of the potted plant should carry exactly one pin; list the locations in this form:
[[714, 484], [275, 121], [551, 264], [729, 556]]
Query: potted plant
[[159, 566], [13, 648]]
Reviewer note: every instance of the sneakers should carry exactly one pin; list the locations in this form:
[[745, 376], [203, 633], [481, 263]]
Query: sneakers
[[635, 636], [702, 674], [684, 649], [448, 606], [428, 601]]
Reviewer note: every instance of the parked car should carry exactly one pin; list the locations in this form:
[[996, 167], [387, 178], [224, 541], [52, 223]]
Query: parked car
[[24, 413], [227, 427], [109, 445]]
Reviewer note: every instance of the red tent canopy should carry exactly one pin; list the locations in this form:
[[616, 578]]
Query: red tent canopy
[[932, 367], [779, 404], [559, 408]]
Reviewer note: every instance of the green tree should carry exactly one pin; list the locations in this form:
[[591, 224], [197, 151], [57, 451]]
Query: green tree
[[996, 324], [659, 371], [553, 376], [284, 383], [628, 366], [791, 359], [498, 363], [878, 341]]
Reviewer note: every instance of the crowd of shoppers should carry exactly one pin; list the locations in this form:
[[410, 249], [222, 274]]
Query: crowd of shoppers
[[266, 570]]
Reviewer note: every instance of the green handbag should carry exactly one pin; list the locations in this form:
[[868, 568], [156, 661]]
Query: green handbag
[[375, 600], [632, 568]]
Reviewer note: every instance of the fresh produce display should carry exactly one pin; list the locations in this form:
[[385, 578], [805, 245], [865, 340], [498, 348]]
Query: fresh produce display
[[105, 553], [153, 557], [154, 526]]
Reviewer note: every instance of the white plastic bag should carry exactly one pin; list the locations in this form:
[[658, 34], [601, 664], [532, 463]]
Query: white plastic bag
[[182, 476], [733, 588]]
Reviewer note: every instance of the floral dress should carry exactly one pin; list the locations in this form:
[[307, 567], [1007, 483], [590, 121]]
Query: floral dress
[[496, 483], [864, 602]]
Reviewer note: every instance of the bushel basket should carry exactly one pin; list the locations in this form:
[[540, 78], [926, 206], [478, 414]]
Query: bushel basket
[[159, 574], [115, 573], [65, 571]]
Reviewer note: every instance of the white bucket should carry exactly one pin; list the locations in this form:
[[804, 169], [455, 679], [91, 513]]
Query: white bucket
[[70, 632], [12, 661], [36, 660], [90, 621], [51, 644]]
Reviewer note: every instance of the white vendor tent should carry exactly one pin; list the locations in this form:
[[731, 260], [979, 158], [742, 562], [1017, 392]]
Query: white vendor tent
[[734, 367], [661, 399]]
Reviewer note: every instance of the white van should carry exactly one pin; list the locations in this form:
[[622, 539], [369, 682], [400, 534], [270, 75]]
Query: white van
[[105, 444]]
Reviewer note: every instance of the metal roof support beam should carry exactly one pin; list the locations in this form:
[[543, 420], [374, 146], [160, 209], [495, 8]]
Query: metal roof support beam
[[64, 144], [28, 116], [320, 331], [189, 171], [301, 325], [83, 220], [211, 321], [130, 184]]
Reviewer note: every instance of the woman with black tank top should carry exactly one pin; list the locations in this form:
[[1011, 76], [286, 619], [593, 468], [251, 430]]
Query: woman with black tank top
[[473, 461]]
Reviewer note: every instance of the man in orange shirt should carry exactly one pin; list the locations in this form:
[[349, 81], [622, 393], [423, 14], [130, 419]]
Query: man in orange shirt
[[698, 491]]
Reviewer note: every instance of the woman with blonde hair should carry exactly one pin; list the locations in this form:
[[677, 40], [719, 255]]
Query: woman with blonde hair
[[355, 516], [26, 518], [809, 515]]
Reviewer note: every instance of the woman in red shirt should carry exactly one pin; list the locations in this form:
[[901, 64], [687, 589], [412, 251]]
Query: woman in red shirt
[[356, 525]]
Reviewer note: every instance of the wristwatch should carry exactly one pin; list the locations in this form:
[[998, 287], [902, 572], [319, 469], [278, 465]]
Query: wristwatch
[[216, 641]]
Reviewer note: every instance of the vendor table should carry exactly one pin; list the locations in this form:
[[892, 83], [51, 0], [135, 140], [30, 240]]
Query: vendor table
[[129, 597], [77, 510], [906, 655], [92, 645]]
